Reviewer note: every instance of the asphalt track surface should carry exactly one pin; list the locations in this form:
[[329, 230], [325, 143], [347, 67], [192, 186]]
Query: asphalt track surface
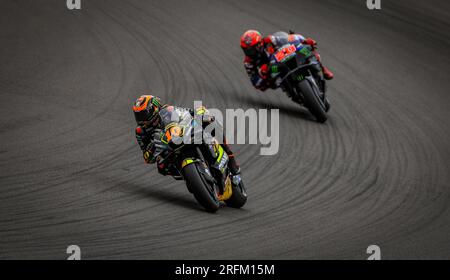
[[71, 172]]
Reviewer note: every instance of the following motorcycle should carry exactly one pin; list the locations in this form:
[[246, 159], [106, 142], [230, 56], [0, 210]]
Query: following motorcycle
[[295, 69]]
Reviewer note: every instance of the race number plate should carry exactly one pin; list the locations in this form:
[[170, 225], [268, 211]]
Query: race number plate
[[285, 52]]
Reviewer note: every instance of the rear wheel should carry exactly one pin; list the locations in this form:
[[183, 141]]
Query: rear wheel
[[203, 191], [312, 101], [238, 197]]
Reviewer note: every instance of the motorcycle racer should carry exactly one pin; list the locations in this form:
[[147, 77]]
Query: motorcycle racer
[[147, 111], [258, 49]]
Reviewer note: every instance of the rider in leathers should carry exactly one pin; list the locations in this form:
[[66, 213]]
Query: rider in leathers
[[149, 125], [258, 49]]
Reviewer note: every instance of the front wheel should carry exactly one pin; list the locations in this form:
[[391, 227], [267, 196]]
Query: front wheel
[[203, 191], [312, 101]]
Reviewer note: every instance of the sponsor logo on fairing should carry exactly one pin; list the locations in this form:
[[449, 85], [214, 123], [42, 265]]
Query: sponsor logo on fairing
[[235, 128]]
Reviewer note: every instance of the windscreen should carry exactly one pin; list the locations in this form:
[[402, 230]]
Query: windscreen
[[171, 114]]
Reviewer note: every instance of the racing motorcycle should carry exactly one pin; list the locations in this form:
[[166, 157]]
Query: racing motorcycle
[[203, 166], [294, 68]]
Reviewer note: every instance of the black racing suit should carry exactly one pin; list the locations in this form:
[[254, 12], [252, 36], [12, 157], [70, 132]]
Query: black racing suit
[[149, 141], [252, 67]]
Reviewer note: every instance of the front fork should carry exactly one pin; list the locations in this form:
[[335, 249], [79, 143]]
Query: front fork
[[318, 77], [215, 173]]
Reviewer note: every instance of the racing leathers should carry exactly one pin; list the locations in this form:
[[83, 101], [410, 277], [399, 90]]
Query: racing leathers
[[149, 140]]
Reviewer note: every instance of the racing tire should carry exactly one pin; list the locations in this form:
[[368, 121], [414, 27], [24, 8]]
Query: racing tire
[[200, 188], [312, 101], [238, 197]]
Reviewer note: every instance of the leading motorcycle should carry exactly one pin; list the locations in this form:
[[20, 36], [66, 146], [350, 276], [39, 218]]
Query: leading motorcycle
[[203, 166]]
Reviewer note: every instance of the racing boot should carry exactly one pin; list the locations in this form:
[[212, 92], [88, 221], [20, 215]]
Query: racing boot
[[234, 169], [327, 74], [232, 164]]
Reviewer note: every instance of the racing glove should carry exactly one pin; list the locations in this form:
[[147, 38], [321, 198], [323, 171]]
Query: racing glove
[[154, 148], [263, 71], [141, 137], [162, 167], [311, 42]]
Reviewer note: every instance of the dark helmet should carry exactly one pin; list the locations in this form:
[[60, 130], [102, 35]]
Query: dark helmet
[[252, 43], [146, 110]]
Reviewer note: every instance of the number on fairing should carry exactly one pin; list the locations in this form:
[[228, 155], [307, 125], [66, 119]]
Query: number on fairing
[[172, 131], [285, 52]]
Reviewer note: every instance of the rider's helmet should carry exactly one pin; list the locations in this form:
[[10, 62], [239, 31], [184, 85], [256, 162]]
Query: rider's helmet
[[252, 43], [146, 110]]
